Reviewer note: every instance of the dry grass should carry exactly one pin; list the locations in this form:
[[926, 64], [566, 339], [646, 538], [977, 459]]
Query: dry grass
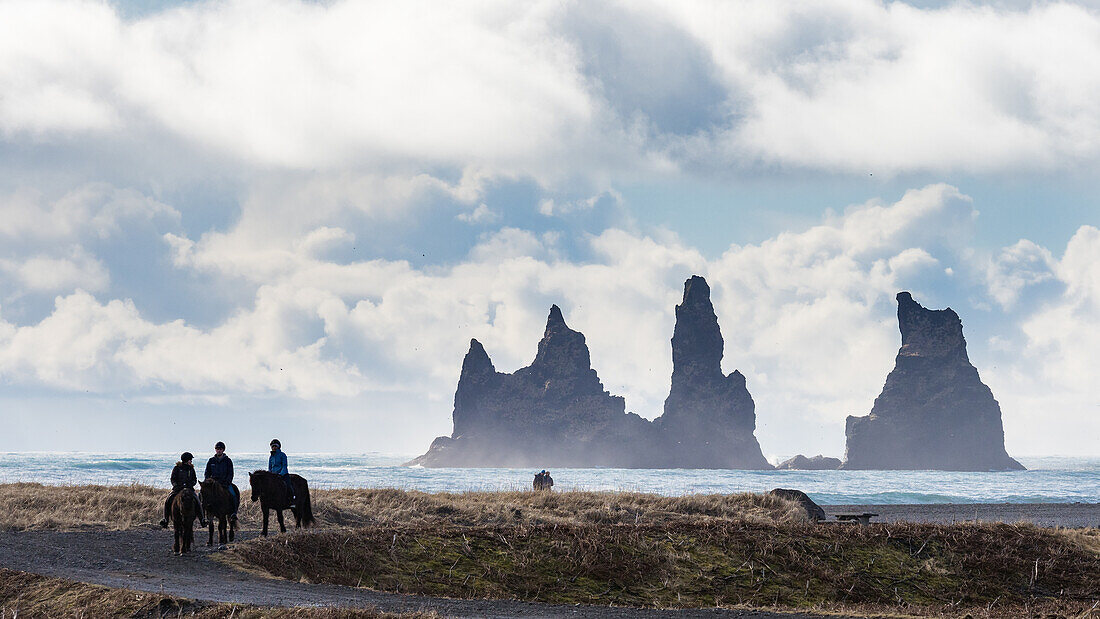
[[982, 569], [34, 506], [32, 595]]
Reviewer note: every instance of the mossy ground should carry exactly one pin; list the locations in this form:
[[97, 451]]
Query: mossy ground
[[907, 568]]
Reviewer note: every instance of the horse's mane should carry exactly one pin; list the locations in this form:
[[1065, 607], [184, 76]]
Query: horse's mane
[[263, 473]]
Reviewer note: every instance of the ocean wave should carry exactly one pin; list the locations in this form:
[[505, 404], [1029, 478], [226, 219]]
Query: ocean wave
[[117, 465]]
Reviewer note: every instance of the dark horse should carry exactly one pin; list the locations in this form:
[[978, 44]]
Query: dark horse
[[217, 501], [184, 511], [270, 491]]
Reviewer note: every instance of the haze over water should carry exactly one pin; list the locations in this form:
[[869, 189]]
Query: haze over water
[[1047, 480]]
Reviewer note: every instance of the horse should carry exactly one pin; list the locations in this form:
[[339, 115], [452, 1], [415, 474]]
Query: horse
[[218, 501], [184, 512], [269, 489]]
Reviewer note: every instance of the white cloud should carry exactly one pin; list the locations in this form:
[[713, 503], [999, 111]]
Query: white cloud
[[1047, 376], [870, 87], [1065, 335], [505, 90], [304, 85], [43, 273], [1017, 267], [808, 316], [86, 345], [480, 215], [93, 210]]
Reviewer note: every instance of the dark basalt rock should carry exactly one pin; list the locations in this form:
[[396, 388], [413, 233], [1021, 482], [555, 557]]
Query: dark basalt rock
[[813, 510], [934, 411], [709, 418], [556, 413], [816, 463]]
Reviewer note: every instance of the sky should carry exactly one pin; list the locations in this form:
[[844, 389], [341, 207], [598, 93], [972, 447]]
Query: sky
[[232, 220]]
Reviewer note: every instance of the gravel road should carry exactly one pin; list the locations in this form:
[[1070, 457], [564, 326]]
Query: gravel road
[[141, 559]]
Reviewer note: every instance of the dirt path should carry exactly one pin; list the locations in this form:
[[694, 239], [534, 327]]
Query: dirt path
[[141, 559]]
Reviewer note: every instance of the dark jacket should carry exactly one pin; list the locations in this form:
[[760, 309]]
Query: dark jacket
[[219, 469], [183, 476]]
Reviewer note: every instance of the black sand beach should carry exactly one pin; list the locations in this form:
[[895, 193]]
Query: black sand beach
[[1072, 515]]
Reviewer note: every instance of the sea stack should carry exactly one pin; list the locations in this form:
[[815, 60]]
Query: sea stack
[[934, 411], [555, 412], [552, 413], [709, 417]]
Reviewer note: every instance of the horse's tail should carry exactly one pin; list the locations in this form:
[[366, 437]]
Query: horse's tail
[[306, 507]]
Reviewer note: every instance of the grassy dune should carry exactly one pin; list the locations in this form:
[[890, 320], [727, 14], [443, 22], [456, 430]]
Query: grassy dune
[[38, 507], [984, 569], [31, 595], [627, 549]]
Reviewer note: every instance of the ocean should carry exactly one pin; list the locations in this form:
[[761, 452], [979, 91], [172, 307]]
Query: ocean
[[1047, 480]]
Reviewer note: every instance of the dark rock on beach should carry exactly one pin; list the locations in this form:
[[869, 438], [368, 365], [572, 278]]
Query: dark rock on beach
[[813, 510], [816, 463], [556, 413], [934, 411]]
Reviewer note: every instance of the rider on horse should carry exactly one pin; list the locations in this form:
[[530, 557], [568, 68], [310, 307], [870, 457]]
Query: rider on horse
[[183, 478], [220, 468], [276, 463]]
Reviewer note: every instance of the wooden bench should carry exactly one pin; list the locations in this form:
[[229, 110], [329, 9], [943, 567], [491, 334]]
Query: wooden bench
[[862, 519]]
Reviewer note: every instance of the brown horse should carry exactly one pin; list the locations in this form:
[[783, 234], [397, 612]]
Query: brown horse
[[184, 511], [218, 501], [270, 491]]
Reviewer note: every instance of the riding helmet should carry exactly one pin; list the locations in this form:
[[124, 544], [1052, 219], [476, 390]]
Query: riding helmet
[[219, 445], [275, 443], [186, 456]]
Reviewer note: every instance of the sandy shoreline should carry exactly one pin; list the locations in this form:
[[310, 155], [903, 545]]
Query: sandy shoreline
[[1075, 515]]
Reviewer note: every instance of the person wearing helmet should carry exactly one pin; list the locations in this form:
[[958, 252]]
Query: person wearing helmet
[[276, 463], [220, 468], [183, 478]]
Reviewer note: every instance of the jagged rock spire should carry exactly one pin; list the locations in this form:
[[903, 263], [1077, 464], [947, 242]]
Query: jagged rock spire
[[697, 340], [561, 350], [934, 412], [477, 361], [711, 415], [478, 376], [555, 412], [928, 333]]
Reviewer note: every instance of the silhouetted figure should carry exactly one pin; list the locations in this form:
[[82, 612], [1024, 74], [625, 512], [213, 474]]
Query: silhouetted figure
[[543, 481], [220, 468], [183, 479]]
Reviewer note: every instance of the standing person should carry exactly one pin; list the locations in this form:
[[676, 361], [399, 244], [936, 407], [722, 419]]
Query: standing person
[[276, 463], [547, 481], [183, 478], [220, 468]]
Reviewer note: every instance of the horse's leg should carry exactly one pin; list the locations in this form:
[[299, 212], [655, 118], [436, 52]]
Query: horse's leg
[[266, 515], [221, 529], [282, 527], [176, 533], [232, 529], [210, 524]]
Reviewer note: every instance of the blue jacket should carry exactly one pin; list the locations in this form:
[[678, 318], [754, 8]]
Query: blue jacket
[[220, 470], [276, 463]]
